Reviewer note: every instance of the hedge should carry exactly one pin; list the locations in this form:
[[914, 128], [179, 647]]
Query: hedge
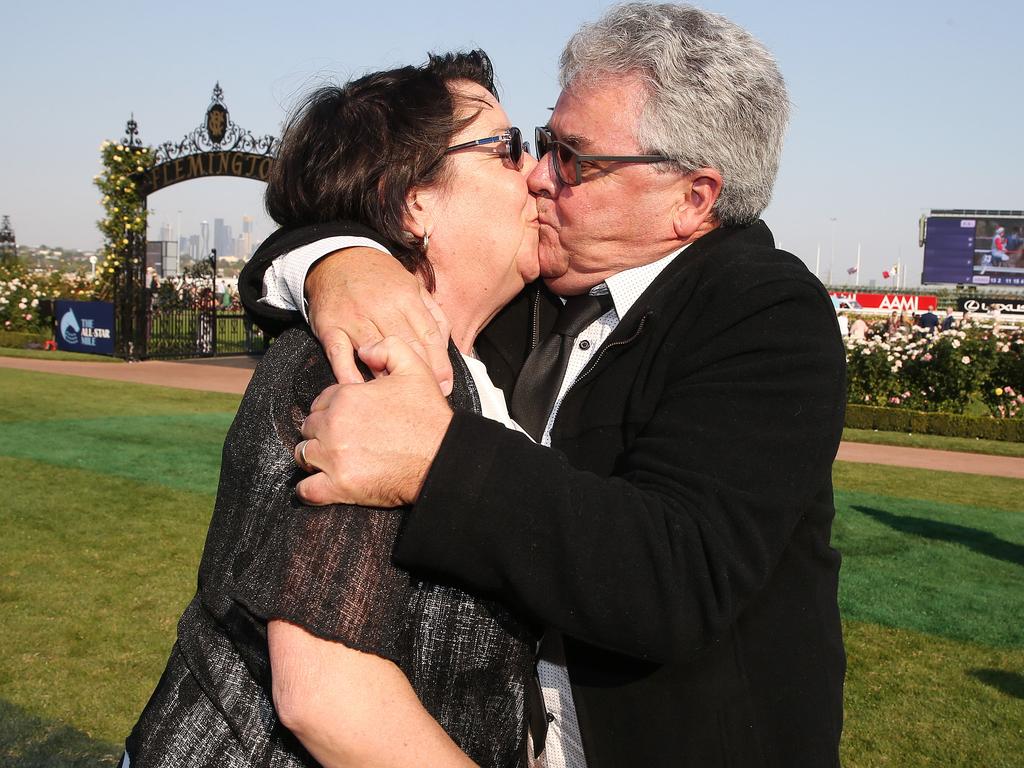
[[948, 424], [22, 339]]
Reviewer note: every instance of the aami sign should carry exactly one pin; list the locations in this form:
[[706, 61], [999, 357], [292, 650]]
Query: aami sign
[[901, 302]]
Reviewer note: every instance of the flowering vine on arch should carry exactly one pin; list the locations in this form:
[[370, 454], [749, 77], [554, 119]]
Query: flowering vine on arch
[[124, 208]]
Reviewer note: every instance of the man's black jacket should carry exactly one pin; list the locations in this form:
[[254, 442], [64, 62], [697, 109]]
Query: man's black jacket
[[679, 535]]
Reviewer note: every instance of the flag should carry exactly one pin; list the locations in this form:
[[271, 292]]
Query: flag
[[886, 274], [896, 269], [851, 270]]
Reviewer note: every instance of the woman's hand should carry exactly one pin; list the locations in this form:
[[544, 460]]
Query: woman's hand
[[358, 296]]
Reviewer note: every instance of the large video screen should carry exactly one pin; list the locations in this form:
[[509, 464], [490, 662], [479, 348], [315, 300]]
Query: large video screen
[[979, 250]]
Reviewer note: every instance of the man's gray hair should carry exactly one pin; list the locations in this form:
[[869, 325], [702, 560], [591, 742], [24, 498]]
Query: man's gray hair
[[715, 96]]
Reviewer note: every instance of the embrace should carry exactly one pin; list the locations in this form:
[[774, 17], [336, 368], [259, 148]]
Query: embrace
[[538, 470]]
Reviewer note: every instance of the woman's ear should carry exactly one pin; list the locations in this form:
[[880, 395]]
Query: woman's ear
[[419, 206]]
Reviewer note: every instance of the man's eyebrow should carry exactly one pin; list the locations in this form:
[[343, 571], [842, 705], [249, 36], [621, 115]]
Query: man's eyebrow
[[574, 140]]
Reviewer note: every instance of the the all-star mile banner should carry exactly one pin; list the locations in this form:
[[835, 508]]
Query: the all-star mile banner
[[85, 326]]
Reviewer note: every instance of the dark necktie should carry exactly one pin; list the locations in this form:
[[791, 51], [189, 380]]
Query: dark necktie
[[541, 378]]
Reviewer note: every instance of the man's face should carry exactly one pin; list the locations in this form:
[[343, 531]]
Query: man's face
[[620, 216]]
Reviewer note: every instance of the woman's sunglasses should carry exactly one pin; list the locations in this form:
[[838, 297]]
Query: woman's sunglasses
[[514, 145], [568, 163]]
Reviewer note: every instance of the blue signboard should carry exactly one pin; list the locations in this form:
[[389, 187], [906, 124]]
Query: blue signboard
[[85, 326], [974, 250]]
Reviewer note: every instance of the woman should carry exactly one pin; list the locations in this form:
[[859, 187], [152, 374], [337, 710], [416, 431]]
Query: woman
[[304, 644]]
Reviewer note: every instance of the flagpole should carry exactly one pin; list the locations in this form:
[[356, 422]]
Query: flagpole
[[857, 273], [832, 254], [817, 262]]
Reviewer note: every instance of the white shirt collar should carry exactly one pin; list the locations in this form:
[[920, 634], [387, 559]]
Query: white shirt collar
[[627, 286]]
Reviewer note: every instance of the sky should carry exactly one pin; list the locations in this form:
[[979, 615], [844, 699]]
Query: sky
[[898, 107]]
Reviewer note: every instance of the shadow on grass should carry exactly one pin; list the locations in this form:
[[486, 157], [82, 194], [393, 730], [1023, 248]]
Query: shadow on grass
[[1010, 683], [29, 741], [982, 542]]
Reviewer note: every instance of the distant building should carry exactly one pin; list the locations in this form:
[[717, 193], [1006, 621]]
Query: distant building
[[222, 239]]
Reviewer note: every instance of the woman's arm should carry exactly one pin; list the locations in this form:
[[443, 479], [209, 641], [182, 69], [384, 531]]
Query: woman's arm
[[350, 708]]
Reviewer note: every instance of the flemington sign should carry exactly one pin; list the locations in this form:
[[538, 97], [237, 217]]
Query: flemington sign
[[246, 165], [218, 147]]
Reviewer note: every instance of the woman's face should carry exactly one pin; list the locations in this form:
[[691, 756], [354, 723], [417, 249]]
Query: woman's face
[[483, 222]]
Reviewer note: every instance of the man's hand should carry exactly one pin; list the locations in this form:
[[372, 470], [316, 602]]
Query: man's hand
[[358, 296], [372, 443]]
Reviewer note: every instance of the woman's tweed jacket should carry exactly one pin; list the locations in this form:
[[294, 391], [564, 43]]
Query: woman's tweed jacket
[[329, 570]]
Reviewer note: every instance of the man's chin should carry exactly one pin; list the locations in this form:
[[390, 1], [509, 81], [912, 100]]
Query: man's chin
[[553, 263]]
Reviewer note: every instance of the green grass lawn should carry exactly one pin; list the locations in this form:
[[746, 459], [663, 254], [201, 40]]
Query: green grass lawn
[[935, 442], [108, 489]]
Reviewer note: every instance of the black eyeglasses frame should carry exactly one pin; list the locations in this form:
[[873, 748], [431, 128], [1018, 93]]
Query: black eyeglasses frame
[[546, 141]]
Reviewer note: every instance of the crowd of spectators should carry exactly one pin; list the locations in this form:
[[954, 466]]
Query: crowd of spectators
[[925, 323]]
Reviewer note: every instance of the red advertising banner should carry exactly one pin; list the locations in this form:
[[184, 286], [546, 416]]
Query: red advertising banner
[[901, 302]]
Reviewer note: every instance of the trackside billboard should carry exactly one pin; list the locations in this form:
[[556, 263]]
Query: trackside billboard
[[887, 302]]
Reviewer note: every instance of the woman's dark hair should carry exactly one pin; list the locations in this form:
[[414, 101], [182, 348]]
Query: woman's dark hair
[[353, 153]]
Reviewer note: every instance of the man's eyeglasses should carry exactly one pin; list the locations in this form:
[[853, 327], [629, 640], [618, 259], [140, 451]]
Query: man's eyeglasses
[[568, 162], [514, 145]]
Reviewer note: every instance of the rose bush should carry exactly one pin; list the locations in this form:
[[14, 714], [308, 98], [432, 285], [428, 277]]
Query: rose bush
[[942, 372], [1003, 392], [23, 295]]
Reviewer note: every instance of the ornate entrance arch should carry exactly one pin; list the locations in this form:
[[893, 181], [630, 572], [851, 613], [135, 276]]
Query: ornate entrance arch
[[181, 317]]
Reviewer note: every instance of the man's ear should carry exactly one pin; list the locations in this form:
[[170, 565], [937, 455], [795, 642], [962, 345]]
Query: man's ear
[[694, 211], [419, 206]]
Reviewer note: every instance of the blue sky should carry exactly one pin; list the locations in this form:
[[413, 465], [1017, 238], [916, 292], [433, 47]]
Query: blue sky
[[898, 106]]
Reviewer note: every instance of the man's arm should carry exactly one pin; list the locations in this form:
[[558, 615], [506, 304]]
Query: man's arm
[[356, 294], [659, 558]]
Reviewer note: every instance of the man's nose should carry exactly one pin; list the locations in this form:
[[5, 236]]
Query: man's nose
[[542, 181]]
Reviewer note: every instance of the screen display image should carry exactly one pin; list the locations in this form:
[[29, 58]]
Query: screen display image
[[974, 249]]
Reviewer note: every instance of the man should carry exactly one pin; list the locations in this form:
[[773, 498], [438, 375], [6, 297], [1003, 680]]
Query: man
[[676, 542], [928, 322], [949, 321]]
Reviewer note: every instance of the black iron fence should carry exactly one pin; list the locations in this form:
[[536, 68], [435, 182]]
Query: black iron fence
[[178, 317]]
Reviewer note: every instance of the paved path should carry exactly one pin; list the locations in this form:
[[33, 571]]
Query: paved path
[[232, 374], [923, 458]]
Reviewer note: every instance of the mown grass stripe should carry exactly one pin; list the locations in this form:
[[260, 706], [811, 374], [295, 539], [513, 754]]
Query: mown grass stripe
[[944, 569], [181, 451], [982, 491], [32, 396]]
